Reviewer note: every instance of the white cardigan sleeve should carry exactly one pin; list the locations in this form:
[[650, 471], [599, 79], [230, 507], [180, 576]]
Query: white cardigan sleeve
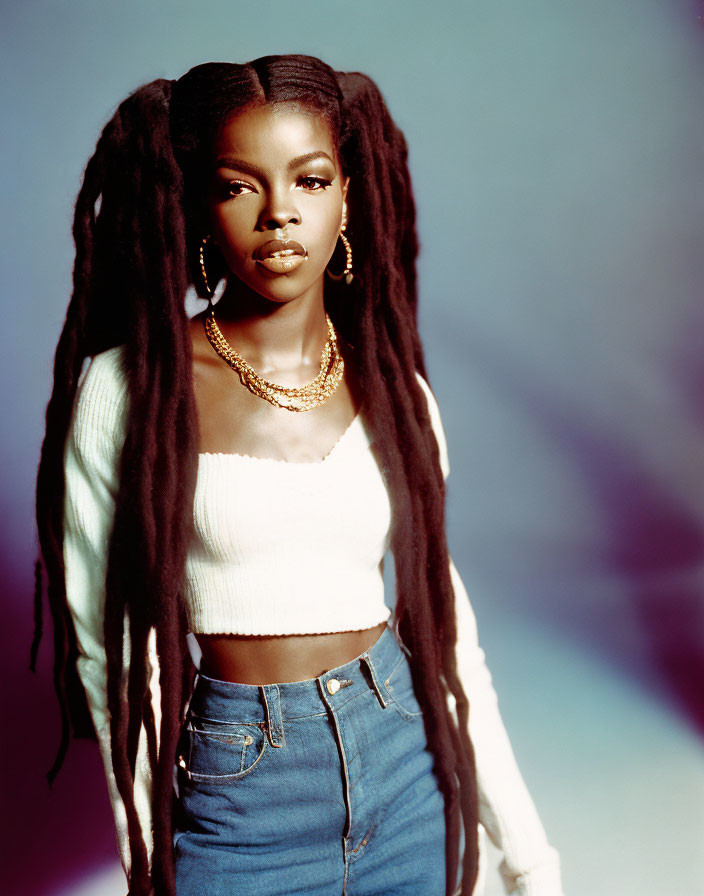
[[91, 460], [530, 866]]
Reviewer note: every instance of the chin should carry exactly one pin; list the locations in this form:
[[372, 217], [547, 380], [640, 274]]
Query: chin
[[283, 289], [280, 296]]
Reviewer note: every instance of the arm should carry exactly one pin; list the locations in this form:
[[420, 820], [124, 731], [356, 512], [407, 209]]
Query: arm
[[530, 866], [91, 459]]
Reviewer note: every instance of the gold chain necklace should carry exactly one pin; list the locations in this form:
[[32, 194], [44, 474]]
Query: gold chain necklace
[[302, 398]]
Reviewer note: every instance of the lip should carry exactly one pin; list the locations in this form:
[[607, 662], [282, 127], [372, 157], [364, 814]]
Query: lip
[[281, 265], [281, 249]]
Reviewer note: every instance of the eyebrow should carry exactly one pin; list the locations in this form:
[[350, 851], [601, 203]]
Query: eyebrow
[[240, 165]]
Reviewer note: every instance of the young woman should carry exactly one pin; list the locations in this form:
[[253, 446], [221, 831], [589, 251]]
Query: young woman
[[218, 488]]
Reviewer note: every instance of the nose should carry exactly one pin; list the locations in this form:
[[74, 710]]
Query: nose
[[279, 211]]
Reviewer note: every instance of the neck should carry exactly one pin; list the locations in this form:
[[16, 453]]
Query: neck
[[285, 337]]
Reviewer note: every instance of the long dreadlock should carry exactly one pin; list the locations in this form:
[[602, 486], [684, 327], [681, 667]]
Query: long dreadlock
[[137, 224]]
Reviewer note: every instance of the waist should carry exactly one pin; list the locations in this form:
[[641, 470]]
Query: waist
[[232, 701], [263, 659]]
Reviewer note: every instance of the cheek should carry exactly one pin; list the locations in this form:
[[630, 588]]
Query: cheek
[[232, 233], [327, 227]]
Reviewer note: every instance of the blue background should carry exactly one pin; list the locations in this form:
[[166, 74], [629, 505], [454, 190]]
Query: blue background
[[556, 150]]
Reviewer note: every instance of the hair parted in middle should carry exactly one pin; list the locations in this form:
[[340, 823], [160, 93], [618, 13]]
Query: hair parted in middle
[[138, 224]]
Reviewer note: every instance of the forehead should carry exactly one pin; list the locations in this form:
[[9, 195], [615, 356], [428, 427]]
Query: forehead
[[273, 133]]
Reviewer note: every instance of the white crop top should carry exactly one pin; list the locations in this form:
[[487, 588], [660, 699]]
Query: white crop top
[[289, 548], [278, 547]]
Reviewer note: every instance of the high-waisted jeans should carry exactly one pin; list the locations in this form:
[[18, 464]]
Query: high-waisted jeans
[[321, 787]]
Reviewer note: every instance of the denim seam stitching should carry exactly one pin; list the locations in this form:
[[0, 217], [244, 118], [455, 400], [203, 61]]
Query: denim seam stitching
[[202, 778]]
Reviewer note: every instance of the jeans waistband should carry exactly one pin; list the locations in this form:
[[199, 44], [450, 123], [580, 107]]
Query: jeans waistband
[[232, 701]]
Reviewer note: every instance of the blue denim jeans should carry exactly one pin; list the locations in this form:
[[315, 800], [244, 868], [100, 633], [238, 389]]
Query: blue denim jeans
[[321, 787]]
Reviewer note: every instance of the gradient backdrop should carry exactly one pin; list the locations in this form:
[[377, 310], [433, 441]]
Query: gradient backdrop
[[557, 152]]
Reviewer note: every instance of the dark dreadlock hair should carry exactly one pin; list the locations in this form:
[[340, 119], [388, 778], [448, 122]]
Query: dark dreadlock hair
[[136, 233]]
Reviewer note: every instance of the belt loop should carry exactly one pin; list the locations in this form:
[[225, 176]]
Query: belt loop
[[375, 684], [187, 705], [272, 711], [399, 640]]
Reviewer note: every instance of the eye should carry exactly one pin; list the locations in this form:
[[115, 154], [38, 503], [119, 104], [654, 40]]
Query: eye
[[314, 184], [235, 188]]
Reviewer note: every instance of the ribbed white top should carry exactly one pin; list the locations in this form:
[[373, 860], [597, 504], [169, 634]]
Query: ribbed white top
[[283, 548], [278, 548]]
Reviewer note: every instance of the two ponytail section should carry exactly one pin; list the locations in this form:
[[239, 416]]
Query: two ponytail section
[[129, 282]]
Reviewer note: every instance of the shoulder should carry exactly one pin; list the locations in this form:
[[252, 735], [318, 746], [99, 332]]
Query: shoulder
[[104, 370], [436, 423], [100, 405]]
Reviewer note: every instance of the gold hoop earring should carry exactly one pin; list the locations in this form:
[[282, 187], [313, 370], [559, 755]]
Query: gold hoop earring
[[347, 273], [201, 257]]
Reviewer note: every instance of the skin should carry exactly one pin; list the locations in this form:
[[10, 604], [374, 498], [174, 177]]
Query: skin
[[277, 323]]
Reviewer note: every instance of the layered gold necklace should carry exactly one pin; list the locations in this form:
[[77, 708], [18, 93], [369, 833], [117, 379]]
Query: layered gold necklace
[[302, 398]]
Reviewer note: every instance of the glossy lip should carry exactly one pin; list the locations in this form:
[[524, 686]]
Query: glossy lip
[[281, 264], [283, 248]]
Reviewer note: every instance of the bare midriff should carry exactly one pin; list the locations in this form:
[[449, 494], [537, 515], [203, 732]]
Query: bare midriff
[[260, 659]]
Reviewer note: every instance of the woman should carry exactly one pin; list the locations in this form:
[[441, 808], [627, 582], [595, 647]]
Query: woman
[[323, 745]]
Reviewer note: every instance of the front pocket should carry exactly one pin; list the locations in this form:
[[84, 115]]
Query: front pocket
[[399, 687], [221, 752]]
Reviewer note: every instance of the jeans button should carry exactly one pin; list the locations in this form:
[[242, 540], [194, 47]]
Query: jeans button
[[333, 686]]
